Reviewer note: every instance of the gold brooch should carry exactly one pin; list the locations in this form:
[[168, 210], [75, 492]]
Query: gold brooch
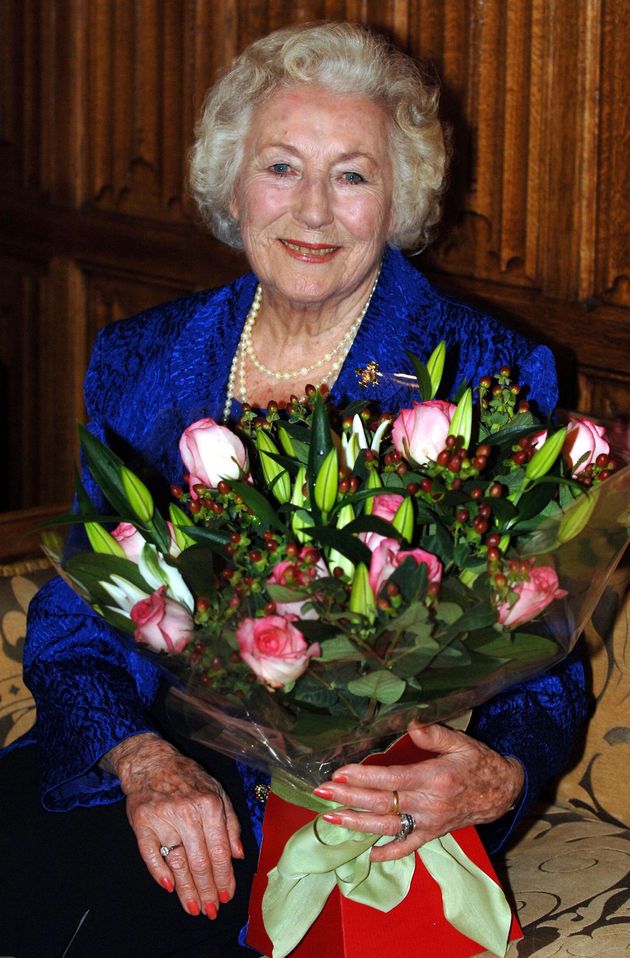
[[368, 375], [262, 792]]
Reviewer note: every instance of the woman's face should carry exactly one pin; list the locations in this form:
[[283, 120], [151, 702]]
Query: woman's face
[[314, 196]]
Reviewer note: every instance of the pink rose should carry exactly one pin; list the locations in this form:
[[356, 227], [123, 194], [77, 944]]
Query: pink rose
[[534, 595], [162, 623], [129, 540], [584, 441], [292, 574], [210, 453], [385, 507], [420, 433], [388, 556], [274, 649], [132, 542]]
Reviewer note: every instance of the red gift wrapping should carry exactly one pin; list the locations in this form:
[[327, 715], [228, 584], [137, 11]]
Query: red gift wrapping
[[416, 928]]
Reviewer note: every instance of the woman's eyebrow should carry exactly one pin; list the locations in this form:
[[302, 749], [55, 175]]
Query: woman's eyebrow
[[342, 158]]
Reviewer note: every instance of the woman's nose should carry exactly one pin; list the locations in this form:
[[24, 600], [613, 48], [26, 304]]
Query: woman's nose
[[314, 204]]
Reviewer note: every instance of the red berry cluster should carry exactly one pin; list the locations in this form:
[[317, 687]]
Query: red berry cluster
[[500, 397], [523, 451], [601, 469]]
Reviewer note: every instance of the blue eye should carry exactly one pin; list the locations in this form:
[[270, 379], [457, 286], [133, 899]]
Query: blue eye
[[352, 177], [280, 168]]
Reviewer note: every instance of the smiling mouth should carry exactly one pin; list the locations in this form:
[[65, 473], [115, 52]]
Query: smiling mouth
[[310, 249]]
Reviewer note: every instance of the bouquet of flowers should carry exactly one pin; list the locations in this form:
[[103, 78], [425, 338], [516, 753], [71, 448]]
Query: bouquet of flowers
[[325, 576]]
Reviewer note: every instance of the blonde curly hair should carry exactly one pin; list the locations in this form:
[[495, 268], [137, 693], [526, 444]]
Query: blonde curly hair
[[348, 60]]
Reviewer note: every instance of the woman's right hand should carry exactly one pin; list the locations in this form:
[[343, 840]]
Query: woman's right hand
[[171, 800]]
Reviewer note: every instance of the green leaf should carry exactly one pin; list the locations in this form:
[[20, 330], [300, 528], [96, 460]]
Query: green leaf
[[411, 579], [283, 593], [461, 389], [422, 375], [477, 617], [523, 424], [342, 541], [411, 662], [453, 655], [108, 472], [215, 539], [83, 500], [89, 569], [196, 565], [355, 408], [309, 689], [520, 648], [449, 612], [117, 620], [106, 469], [340, 648], [381, 685], [414, 619], [503, 509], [372, 524], [258, 504]]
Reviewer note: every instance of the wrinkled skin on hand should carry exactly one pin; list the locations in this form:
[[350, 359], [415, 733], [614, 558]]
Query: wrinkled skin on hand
[[172, 800], [466, 783]]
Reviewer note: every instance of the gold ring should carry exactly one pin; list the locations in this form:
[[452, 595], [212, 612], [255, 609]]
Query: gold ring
[[395, 810]]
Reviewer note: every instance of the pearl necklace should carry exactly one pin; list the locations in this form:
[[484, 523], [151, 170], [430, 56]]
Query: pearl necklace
[[245, 349]]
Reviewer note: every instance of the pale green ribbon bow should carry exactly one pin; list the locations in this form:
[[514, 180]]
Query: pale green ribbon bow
[[319, 856]]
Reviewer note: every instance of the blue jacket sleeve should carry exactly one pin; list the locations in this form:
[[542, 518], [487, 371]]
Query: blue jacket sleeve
[[91, 687], [538, 722], [92, 691]]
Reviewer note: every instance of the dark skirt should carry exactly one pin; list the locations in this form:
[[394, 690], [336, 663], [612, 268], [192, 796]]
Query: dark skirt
[[74, 886]]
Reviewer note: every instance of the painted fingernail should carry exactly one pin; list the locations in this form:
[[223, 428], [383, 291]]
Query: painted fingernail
[[224, 897], [323, 792], [193, 907], [240, 851], [333, 819], [211, 909], [168, 884], [342, 779]]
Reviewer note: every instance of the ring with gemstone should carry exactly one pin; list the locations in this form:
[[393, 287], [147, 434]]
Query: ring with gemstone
[[407, 825], [165, 850]]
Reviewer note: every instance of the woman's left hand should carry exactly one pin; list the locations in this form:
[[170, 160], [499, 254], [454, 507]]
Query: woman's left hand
[[465, 783]]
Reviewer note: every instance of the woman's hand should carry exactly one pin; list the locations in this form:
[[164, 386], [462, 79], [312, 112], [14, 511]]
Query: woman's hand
[[466, 783], [171, 800]]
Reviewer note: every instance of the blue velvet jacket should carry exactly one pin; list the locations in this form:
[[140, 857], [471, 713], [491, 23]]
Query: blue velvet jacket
[[153, 374]]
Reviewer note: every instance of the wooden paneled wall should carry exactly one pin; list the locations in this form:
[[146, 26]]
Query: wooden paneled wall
[[98, 103]]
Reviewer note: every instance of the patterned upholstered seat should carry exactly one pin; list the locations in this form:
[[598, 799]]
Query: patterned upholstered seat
[[567, 870]]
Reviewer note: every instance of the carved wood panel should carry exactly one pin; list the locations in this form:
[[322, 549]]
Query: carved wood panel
[[23, 394], [98, 101]]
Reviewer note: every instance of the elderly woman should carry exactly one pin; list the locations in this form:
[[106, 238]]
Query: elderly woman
[[321, 154]]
